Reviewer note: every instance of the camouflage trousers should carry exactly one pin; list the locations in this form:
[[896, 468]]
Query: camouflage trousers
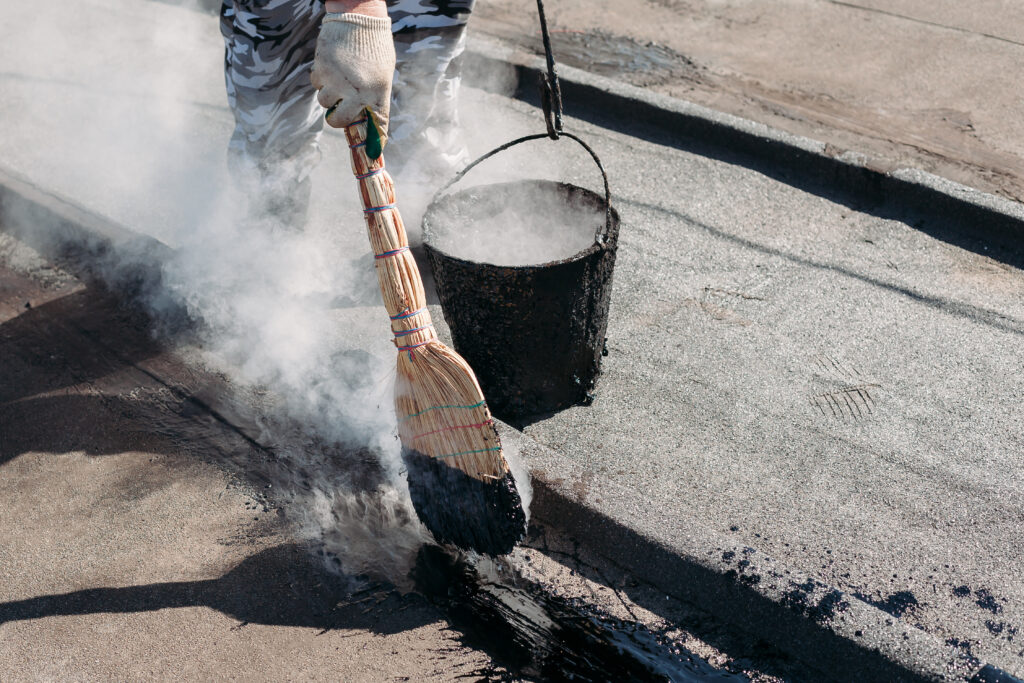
[[269, 52]]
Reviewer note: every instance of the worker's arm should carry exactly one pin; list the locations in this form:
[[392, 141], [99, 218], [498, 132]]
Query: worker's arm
[[355, 62], [371, 8]]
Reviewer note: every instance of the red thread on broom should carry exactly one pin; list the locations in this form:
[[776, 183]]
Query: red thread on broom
[[366, 175], [413, 346], [407, 314], [448, 429], [391, 253], [402, 333]]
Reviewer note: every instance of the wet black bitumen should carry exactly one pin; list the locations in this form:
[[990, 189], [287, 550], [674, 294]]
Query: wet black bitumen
[[540, 636], [462, 511]]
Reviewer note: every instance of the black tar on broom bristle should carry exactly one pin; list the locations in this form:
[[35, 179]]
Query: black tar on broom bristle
[[486, 517]]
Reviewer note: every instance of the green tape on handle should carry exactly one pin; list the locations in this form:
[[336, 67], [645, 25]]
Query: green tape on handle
[[374, 144]]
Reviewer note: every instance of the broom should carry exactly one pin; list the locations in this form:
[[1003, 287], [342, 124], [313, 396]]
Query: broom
[[459, 480]]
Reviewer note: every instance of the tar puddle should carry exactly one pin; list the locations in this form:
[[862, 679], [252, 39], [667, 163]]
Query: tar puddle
[[539, 636], [619, 56]]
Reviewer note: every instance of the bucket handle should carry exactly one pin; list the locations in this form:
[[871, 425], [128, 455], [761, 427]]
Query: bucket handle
[[599, 238]]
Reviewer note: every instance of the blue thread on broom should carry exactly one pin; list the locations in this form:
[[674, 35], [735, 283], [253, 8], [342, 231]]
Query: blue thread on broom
[[368, 174], [410, 347], [407, 314], [402, 333], [391, 253]]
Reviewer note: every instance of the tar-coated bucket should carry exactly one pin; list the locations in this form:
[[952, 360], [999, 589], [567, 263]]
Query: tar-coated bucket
[[524, 274]]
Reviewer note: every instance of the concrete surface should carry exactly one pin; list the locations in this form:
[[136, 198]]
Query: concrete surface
[[968, 216], [836, 390], [832, 388], [129, 554], [929, 85], [140, 539]]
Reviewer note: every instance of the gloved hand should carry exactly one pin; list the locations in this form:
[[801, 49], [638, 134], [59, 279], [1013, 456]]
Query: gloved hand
[[354, 67]]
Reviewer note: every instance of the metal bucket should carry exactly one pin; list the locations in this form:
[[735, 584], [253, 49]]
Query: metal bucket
[[534, 333]]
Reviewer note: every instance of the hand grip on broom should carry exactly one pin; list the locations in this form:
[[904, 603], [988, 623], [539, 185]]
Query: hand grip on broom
[[459, 480]]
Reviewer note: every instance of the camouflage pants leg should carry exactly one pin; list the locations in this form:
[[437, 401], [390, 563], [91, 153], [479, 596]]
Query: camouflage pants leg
[[430, 37], [270, 45], [269, 48]]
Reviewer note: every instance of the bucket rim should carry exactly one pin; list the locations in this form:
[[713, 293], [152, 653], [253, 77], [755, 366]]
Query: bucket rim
[[610, 243]]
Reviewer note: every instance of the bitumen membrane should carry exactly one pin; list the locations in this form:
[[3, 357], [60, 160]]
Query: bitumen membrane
[[142, 511], [824, 388]]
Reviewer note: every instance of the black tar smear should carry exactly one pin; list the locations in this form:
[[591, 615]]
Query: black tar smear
[[800, 599], [997, 628], [897, 604], [462, 511], [540, 636], [987, 601], [983, 598]]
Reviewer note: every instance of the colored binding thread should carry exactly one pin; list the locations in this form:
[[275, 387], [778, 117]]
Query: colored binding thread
[[448, 429], [402, 333], [427, 410], [482, 450], [374, 209], [410, 347], [357, 122], [358, 144], [407, 314], [374, 172], [391, 253]]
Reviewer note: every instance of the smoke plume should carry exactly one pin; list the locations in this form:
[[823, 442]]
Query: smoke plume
[[135, 126]]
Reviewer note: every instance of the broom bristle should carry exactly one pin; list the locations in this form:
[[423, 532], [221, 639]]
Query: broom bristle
[[461, 485], [453, 454]]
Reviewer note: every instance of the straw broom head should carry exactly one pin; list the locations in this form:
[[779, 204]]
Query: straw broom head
[[460, 483]]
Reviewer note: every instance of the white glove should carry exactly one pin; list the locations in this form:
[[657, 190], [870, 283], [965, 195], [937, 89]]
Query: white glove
[[354, 67]]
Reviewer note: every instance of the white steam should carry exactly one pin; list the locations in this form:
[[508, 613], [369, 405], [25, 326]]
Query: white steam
[[287, 316], [121, 107], [525, 224]]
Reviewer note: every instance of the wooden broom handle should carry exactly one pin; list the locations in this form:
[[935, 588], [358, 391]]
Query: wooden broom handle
[[397, 272]]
